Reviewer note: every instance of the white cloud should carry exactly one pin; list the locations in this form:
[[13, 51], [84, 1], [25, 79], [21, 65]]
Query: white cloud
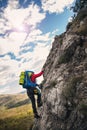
[[11, 88], [55, 32], [70, 19], [13, 4], [13, 17], [24, 15], [55, 6], [40, 52], [4, 90], [20, 27], [12, 43], [11, 69], [13, 21], [9, 75]]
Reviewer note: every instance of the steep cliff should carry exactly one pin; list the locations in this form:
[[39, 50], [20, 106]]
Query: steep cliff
[[64, 94]]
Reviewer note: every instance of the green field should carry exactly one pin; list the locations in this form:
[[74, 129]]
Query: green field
[[16, 118]]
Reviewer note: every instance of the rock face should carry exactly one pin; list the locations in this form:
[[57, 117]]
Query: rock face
[[64, 94]]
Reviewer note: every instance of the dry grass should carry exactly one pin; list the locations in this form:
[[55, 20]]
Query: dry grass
[[18, 118]]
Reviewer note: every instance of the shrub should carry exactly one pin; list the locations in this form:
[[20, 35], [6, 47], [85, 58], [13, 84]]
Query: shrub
[[76, 27], [53, 83], [70, 88], [66, 57], [81, 15], [68, 25], [43, 82], [61, 41], [63, 59], [83, 108], [82, 30]]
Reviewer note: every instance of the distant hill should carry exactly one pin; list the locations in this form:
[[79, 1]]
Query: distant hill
[[15, 112], [23, 92], [11, 101]]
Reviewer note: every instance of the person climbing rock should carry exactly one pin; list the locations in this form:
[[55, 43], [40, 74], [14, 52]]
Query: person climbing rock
[[35, 90]]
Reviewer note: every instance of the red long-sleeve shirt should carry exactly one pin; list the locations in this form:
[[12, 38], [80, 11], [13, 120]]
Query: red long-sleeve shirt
[[34, 76]]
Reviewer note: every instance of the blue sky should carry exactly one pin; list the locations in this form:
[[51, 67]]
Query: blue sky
[[27, 30]]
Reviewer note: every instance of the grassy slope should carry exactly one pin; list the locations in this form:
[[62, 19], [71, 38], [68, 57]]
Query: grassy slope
[[17, 118]]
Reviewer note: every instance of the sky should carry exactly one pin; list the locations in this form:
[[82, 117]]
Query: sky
[[27, 30]]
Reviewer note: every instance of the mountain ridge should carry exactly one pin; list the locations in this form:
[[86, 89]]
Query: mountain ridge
[[8, 101]]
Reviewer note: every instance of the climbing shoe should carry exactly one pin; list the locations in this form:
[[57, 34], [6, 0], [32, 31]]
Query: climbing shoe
[[39, 104], [36, 116]]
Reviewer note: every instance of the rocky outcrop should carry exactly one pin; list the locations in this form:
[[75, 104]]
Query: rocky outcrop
[[64, 94]]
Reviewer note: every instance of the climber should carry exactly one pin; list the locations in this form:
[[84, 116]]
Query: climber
[[31, 91]]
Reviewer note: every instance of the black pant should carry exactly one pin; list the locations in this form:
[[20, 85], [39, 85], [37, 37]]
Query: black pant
[[31, 95]]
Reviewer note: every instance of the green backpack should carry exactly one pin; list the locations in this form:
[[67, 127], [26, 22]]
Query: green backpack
[[22, 78]]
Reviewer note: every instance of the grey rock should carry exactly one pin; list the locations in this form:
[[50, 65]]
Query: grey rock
[[64, 94]]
